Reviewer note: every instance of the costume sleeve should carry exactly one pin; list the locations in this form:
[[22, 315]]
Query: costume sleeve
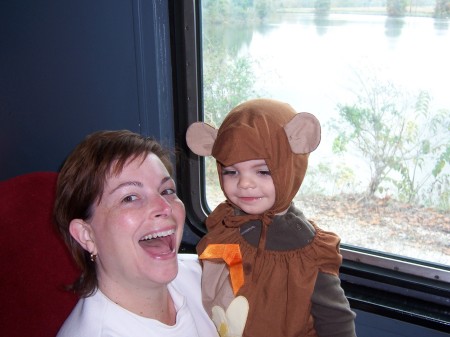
[[330, 308], [216, 286]]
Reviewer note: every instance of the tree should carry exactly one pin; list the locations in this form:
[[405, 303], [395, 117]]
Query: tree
[[263, 8], [442, 9], [216, 10], [426, 152], [396, 7], [322, 7], [405, 144], [227, 81]]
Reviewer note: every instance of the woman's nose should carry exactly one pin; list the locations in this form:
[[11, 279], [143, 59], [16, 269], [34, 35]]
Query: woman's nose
[[160, 207]]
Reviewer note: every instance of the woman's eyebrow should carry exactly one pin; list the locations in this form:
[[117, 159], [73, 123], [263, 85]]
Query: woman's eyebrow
[[165, 179], [137, 183], [125, 184]]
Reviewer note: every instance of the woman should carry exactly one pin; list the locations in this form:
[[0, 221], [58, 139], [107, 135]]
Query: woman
[[117, 210]]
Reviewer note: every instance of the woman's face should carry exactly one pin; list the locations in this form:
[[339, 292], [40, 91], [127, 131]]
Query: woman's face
[[137, 226]]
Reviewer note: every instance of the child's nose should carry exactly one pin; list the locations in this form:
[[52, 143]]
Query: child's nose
[[246, 182]]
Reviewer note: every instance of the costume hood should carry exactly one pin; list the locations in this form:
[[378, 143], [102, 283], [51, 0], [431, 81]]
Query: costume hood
[[262, 129]]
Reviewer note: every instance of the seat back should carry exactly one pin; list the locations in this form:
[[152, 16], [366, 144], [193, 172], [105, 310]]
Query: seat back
[[35, 265]]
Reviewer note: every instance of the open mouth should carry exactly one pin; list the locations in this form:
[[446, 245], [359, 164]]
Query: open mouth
[[159, 244]]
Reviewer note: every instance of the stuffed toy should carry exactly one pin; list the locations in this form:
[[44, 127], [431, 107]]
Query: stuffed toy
[[284, 265]]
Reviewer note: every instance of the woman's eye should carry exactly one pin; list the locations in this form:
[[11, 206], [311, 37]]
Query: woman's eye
[[169, 191], [129, 198]]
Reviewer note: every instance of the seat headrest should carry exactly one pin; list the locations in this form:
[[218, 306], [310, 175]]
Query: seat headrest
[[35, 264]]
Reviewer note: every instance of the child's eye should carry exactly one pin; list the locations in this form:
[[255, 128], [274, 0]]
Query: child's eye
[[264, 172], [228, 172], [129, 198]]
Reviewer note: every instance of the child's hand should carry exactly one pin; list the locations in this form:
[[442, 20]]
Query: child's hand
[[231, 323]]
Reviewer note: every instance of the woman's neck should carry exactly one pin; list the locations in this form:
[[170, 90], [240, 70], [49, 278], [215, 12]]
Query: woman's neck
[[155, 303]]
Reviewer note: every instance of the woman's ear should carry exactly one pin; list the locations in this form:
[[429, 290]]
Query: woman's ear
[[81, 231], [303, 132], [200, 138]]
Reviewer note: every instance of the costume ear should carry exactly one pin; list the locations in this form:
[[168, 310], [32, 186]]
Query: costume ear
[[200, 138], [303, 132]]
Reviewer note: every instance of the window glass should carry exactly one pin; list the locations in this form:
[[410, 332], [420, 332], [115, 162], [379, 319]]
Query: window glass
[[377, 76]]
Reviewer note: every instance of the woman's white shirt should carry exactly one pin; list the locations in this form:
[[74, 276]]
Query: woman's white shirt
[[98, 316]]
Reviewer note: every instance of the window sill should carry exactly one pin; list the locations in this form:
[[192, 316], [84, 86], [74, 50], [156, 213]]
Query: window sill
[[396, 295]]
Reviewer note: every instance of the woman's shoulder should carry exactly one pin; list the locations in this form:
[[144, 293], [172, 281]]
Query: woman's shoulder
[[98, 316], [189, 266], [188, 257], [86, 317]]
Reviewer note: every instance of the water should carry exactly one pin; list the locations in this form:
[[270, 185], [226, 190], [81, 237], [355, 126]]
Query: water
[[313, 67]]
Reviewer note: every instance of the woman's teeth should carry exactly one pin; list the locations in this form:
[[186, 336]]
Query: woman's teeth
[[158, 235]]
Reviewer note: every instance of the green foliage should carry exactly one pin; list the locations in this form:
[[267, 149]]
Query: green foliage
[[406, 145], [228, 77], [216, 10], [443, 159], [396, 8], [442, 9], [322, 7], [263, 9], [326, 178], [227, 81], [236, 11]]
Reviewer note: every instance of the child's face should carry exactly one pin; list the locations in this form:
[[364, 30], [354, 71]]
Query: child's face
[[249, 186]]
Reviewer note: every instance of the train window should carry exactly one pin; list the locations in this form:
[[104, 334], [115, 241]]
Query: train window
[[377, 77]]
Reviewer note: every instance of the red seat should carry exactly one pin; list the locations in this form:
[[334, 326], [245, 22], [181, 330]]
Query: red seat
[[34, 262]]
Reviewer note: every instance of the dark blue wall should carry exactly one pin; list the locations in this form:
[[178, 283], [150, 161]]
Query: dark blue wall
[[68, 68]]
